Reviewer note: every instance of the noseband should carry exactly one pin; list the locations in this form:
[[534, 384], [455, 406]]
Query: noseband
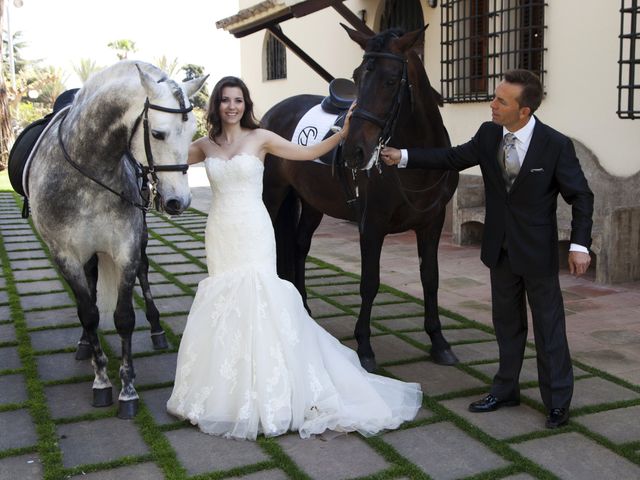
[[388, 124], [148, 188]]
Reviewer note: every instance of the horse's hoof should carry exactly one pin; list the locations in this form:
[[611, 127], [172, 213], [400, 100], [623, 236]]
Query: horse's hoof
[[369, 364], [102, 397], [444, 357], [159, 341], [127, 409], [84, 351]]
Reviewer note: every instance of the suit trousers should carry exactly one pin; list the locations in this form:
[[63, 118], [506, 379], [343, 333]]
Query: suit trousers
[[509, 293]]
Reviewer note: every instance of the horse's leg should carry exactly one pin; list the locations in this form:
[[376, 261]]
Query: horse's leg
[[428, 238], [84, 351], [84, 289], [310, 219], [158, 336], [370, 248], [124, 319]]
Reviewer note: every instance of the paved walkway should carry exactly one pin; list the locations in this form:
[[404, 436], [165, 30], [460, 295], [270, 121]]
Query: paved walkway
[[48, 428]]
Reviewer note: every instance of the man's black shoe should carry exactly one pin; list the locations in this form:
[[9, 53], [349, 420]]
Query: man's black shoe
[[491, 403], [557, 417]]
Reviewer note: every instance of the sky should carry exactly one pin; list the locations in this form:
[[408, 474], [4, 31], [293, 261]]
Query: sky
[[61, 32]]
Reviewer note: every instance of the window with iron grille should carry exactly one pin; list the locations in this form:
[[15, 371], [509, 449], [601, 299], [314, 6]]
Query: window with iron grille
[[482, 39], [275, 58], [629, 63]]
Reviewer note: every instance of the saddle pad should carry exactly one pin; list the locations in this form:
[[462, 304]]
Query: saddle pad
[[313, 127]]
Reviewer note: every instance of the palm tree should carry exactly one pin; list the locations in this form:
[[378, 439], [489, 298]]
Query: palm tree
[[85, 68], [6, 135], [123, 47], [168, 66]]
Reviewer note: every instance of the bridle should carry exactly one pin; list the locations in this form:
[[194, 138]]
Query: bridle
[[388, 124], [148, 188]]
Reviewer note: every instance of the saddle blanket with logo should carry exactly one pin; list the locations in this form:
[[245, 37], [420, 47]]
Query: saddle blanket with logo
[[313, 127]]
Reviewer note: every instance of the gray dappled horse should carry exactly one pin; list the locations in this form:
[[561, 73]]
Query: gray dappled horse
[[120, 147]]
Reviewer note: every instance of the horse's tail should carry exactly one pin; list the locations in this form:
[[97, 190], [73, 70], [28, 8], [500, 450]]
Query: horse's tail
[[285, 227], [108, 284]]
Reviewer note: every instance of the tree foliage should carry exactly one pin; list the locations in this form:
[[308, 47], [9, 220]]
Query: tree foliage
[[123, 47], [85, 68]]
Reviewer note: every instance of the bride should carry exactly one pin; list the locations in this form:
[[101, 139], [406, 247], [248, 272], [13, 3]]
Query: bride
[[251, 360]]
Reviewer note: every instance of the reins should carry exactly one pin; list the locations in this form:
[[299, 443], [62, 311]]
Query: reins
[[148, 188]]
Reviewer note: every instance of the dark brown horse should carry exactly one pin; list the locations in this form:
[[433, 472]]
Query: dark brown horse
[[394, 99]]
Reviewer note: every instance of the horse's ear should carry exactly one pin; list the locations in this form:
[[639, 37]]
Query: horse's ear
[[149, 84], [192, 86], [358, 37], [408, 40]]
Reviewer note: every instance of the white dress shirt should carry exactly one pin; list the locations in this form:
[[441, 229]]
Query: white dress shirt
[[523, 139]]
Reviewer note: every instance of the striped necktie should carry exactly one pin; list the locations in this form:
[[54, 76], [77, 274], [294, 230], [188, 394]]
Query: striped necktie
[[510, 158]]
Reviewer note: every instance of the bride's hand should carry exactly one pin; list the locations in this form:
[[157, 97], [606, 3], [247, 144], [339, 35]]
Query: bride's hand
[[347, 121]]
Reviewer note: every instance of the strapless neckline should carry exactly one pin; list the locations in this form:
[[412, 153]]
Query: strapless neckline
[[241, 154]]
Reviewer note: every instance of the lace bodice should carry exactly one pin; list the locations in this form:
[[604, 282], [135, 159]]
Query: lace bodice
[[239, 233]]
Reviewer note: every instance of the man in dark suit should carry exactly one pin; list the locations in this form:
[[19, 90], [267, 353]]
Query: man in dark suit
[[524, 164]]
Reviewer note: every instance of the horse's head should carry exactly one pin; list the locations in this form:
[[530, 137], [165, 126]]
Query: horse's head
[[382, 80], [162, 135]]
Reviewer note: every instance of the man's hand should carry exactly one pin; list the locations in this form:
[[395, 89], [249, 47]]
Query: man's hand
[[578, 263], [391, 156]]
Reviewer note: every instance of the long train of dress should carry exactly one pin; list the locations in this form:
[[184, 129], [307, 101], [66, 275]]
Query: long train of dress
[[251, 360]]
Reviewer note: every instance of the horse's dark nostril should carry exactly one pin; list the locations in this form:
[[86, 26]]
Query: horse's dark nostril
[[173, 206]]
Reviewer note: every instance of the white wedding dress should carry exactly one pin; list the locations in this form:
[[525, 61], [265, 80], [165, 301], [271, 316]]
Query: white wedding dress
[[251, 359]]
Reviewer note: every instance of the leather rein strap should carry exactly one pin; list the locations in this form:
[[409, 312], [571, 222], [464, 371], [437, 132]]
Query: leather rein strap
[[148, 189]]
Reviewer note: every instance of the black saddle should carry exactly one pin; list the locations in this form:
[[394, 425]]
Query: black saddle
[[27, 139], [342, 93]]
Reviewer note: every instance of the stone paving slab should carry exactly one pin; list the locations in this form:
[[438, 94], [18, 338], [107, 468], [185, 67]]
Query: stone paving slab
[[320, 308], [192, 279], [415, 323], [52, 318], [529, 372], [50, 300], [454, 335], [153, 250], [352, 287], [29, 264], [344, 456], [37, 287], [60, 366], [156, 402], [477, 352], [175, 322], [9, 358], [435, 379], [161, 290], [140, 342], [155, 369], [266, 475], [389, 348], [13, 389], [201, 453], [98, 441], [339, 327], [501, 424], [23, 431], [614, 425], [174, 304], [7, 333], [5, 313], [142, 471], [22, 245], [4, 297], [430, 447], [329, 280], [558, 454], [39, 274], [26, 254], [55, 339], [395, 310], [72, 399], [176, 268], [591, 391], [22, 467]]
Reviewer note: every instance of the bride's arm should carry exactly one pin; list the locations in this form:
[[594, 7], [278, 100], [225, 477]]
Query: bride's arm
[[196, 154], [276, 145]]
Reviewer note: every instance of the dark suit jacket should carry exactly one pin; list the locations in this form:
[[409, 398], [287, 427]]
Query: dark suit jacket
[[525, 216]]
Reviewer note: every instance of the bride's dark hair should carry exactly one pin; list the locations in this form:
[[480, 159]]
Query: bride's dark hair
[[248, 120]]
